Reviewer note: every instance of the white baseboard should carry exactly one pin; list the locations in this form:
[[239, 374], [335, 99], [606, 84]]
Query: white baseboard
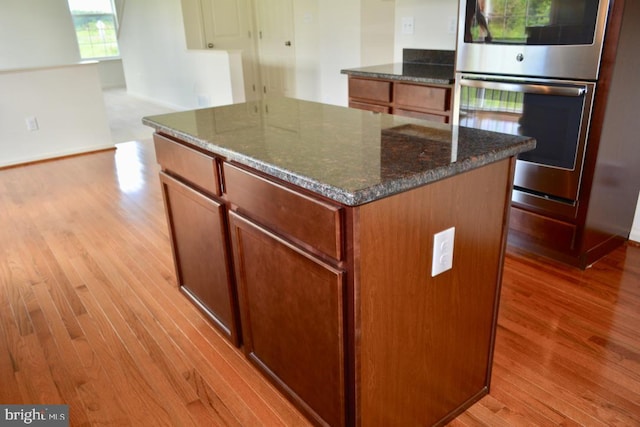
[[55, 155]]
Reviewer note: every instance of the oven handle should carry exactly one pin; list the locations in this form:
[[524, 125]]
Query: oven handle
[[526, 87]]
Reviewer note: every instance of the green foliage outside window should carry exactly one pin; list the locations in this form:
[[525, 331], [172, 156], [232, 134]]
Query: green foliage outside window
[[97, 37], [508, 19]]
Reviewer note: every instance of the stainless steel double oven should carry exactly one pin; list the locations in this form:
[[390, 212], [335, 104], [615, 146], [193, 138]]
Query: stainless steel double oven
[[530, 67]]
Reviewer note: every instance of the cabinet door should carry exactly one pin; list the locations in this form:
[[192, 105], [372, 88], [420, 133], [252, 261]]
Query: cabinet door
[[199, 243], [292, 318]]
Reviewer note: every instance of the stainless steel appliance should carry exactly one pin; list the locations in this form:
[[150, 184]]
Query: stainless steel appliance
[[530, 67], [538, 38], [554, 112]]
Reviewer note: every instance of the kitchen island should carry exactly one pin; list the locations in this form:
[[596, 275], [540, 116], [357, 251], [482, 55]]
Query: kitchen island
[[305, 232]]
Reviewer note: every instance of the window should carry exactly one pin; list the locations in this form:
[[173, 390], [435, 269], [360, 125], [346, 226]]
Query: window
[[96, 28]]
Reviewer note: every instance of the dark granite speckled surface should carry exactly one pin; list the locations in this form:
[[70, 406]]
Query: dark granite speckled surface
[[418, 66], [429, 56], [351, 156]]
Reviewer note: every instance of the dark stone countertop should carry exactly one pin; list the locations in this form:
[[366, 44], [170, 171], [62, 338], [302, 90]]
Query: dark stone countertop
[[348, 155], [408, 72]]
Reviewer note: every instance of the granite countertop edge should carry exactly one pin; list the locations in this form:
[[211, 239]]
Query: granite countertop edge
[[399, 77], [340, 195]]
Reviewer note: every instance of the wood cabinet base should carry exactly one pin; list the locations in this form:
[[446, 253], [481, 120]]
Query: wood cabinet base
[[336, 304]]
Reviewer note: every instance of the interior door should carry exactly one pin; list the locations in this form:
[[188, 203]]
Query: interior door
[[276, 47], [228, 25]]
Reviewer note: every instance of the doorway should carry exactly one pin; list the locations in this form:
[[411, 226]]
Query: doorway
[[276, 47]]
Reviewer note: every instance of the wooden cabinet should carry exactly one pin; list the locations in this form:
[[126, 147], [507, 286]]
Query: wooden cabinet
[[292, 319], [422, 101], [372, 95], [198, 231], [286, 248], [425, 343], [335, 304]]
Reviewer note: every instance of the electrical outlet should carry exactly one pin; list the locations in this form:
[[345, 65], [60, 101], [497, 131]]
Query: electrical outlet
[[442, 251], [204, 101], [32, 123]]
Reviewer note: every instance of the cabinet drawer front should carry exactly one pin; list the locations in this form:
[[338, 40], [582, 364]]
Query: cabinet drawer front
[[426, 97], [369, 107], [308, 221], [420, 115], [195, 167], [374, 90]]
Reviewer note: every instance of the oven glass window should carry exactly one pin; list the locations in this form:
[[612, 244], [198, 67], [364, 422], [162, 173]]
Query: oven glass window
[[554, 120], [531, 22]]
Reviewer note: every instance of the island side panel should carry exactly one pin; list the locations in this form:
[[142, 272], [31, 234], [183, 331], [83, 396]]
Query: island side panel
[[425, 344]]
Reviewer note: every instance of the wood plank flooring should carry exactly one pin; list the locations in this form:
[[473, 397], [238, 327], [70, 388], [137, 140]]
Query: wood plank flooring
[[90, 316]]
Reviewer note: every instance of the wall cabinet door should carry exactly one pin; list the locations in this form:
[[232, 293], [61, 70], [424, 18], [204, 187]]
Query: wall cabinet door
[[292, 318], [199, 242]]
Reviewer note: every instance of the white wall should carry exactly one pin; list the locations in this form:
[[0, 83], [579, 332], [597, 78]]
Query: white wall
[[307, 45], [36, 33], [377, 32], [339, 47], [431, 21], [111, 73], [159, 68], [39, 67], [635, 229], [332, 35], [66, 102]]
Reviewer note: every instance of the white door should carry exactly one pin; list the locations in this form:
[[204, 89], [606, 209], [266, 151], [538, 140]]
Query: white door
[[228, 26], [276, 47]]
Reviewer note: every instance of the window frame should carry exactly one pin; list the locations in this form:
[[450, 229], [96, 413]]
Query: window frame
[[105, 45]]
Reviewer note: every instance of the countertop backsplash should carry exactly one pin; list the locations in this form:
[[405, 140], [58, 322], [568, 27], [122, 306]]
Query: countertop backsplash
[[431, 57]]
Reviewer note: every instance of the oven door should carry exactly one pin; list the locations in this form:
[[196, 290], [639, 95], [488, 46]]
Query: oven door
[[543, 38], [555, 113]]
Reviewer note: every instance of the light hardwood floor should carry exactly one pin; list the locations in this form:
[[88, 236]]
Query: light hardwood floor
[[90, 316]]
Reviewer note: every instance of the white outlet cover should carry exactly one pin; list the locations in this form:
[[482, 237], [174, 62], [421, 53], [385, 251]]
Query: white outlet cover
[[32, 123], [442, 251]]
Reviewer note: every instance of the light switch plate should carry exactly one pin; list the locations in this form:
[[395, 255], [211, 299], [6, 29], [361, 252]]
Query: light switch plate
[[407, 25], [442, 251], [453, 25]]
